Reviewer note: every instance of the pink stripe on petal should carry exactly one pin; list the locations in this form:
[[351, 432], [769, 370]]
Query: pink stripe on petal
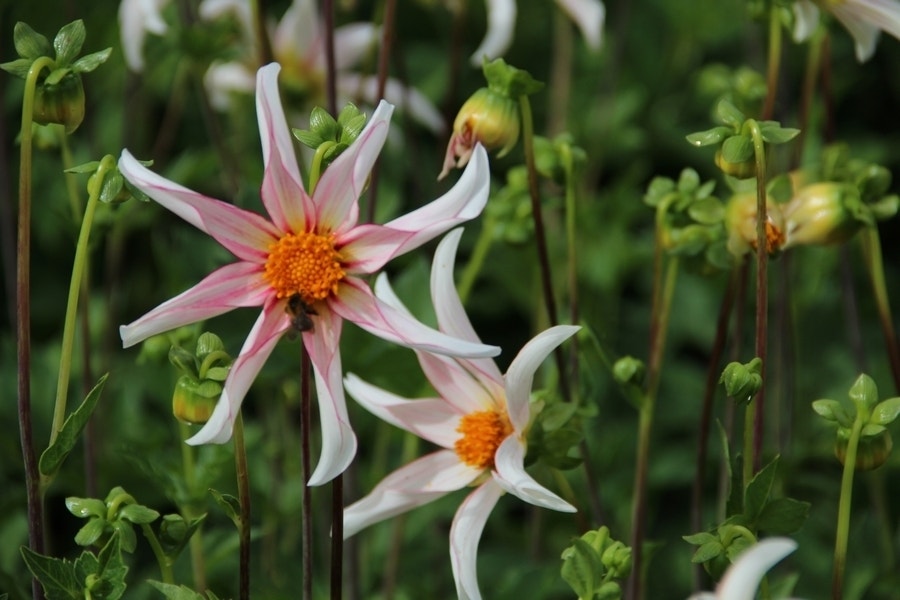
[[355, 302], [282, 189], [511, 476], [245, 234], [465, 533], [236, 285], [338, 439], [337, 194], [368, 247], [268, 329]]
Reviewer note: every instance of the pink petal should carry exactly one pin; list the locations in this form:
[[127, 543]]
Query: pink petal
[[511, 476], [268, 329], [743, 577], [407, 100], [338, 440], [520, 374], [431, 419], [465, 533], [501, 22], [418, 483], [355, 302], [369, 247], [232, 286], [245, 234], [337, 194], [282, 188]]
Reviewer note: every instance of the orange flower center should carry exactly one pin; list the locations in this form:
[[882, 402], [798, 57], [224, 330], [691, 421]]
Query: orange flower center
[[306, 264], [482, 433]]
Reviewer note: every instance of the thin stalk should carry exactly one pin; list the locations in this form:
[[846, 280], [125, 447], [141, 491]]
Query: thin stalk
[[479, 254], [330, 66], [23, 322], [243, 485], [95, 185], [665, 284], [871, 245], [572, 259], [337, 537], [305, 454], [843, 523], [165, 563], [774, 62], [198, 559], [264, 48], [384, 55], [561, 72], [810, 76]]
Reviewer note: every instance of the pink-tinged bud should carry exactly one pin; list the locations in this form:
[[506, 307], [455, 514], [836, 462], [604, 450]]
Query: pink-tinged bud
[[822, 213], [871, 452], [487, 117], [740, 220]]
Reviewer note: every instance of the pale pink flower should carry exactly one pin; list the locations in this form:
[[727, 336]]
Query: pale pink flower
[[298, 43], [742, 578], [480, 421], [588, 15], [864, 19], [312, 247]]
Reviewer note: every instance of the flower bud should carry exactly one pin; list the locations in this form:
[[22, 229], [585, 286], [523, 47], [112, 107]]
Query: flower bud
[[193, 402], [740, 221], [871, 452], [487, 117], [822, 213], [62, 103], [741, 170]]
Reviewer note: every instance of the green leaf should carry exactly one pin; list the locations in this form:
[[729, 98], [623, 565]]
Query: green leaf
[[708, 551], [175, 532], [111, 570], [89, 62], [708, 137], [885, 412], [68, 42], [176, 592], [832, 410], [757, 494], [53, 457], [582, 568], [737, 149], [776, 134], [92, 531], [698, 539], [230, 505], [783, 516], [57, 576], [86, 507], [557, 415], [126, 533], [707, 211], [29, 43], [18, 67], [137, 513]]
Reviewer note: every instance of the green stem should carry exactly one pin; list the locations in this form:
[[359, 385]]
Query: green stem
[[843, 522], [243, 485], [572, 258], [165, 563], [871, 244], [23, 321], [479, 254], [95, 185], [315, 170], [306, 463], [774, 61], [198, 560]]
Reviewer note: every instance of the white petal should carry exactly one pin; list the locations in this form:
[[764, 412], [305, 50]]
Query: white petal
[[136, 18], [431, 419], [418, 483], [520, 374], [743, 577], [806, 19], [408, 100], [865, 34], [589, 16], [465, 533], [224, 79], [511, 476], [352, 42], [299, 33], [501, 22]]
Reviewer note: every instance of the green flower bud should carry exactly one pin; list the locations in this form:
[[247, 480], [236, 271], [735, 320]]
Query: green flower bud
[[62, 102], [194, 402], [629, 370], [617, 558], [741, 170], [823, 213], [871, 452]]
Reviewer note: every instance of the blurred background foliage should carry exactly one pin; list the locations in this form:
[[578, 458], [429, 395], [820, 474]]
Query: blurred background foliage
[[629, 107]]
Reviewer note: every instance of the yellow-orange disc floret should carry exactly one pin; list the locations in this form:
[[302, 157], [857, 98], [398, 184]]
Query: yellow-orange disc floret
[[482, 433], [306, 264]]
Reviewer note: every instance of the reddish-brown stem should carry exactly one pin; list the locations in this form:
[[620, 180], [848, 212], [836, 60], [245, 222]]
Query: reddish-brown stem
[[306, 510], [384, 56]]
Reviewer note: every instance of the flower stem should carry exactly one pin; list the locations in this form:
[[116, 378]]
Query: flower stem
[[871, 244], [384, 57], [165, 563], [572, 258], [774, 61], [243, 485], [306, 509], [843, 522], [476, 260], [337, 537], [23, 321], [198, 562]]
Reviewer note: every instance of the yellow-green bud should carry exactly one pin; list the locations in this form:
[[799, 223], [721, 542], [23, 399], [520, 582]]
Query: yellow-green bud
[[194, 402], [741, 170], [61, 103], [740, 221], [487, 117], [871, 452], [820, 214]]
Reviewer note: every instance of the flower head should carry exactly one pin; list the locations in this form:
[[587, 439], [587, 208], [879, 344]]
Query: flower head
[[480, 422], [742, 579], [311, 246], [864, 19]]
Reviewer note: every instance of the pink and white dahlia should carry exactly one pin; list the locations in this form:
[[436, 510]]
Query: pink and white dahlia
[[864, 19], [480, 421], [308, 255]]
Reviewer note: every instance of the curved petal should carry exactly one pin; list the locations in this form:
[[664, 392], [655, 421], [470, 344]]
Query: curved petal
[[268, 329], [520, 374], [368, 247], [465, 533], [352, 42], [743, 577], [501, 22], [222, 79], [299, 33], [431, 419], [355, 302], [510, 474], [282, 188], [232, 286], [337, 194], [865, 34], [806, 19], [408, 100], [338, 440], [136, 18], [213, 9], [418, 483], [245, 234], [589, 16]]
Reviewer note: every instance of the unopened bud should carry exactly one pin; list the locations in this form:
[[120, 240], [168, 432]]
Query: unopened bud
[[194, 402], [871, 452], [822, 213], [61, 103], [740, 221]]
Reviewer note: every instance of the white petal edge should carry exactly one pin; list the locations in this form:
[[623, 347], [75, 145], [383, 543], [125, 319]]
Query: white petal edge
[[465, 533], [865, 34], [520, 375], [501, 23], [408, 100], [806, 20], [511, 476], [352, 42], [743, 577], [223, 79], [589, 15]]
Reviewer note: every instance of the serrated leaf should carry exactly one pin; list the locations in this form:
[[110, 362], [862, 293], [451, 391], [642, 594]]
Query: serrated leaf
[[92, 531], [53, 457], [176, 592], [57, 576], [86, 507], [137, 513], [783, 516], [582, 568], [29, 43], [737, 149], [885, 412], [111, 569], [18, 67], [89, 62], [757, 494], [68, 42]]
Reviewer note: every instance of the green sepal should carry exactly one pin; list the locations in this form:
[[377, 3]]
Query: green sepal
[[742, 381], [175, 532], [508, 80], [18, 68], [729, 114], [832, 410], [774, 133], [737, 149], [885, 411], [29, 43], [68, 42], [86, 507], [208, 343], [864, 394], [230, 505], [90, 532], [709, 137], [138, 514], [53, 457], [89, 62]]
